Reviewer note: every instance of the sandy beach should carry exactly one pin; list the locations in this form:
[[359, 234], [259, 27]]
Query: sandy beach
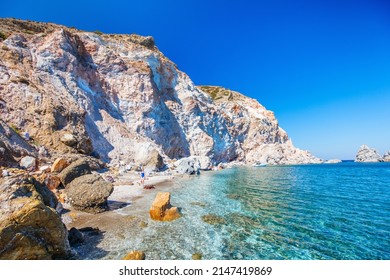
[[128, 212]]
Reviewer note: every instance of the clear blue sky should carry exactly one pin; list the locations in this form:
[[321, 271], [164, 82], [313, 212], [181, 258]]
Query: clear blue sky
[[323, 67]]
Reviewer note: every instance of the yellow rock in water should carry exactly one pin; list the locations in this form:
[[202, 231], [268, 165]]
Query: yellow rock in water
[[134, 255], [162, 210]]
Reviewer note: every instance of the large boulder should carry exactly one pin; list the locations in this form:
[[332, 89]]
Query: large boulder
[[162, 210], [76, 169], [151, 160], [30, 228], [367, 154], [89, 193], [189, 165], [204, 162]]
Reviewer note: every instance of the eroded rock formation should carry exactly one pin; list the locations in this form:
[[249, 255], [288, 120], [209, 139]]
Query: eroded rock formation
[[30, 228], [120, 98], [367, 154]]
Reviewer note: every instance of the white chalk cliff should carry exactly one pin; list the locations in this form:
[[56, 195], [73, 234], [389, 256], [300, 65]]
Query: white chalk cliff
[[119, 97]]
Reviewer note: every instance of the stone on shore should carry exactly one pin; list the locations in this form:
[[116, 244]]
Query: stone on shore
[[69, 140], [134, 255], [5, 173], [53, 182], [29, 226], [28, 163], [162, 210], [367, 154], [59, 164], [78, 168], [89, 193]]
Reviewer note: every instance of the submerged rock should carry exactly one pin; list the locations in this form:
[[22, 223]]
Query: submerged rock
[[213, 219], [29, 226], [134, 255], [197, 256], [367, 154], [89, 193], [161, 208]]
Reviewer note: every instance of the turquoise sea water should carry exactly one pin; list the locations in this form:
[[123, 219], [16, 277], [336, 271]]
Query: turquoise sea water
[[328, 211]]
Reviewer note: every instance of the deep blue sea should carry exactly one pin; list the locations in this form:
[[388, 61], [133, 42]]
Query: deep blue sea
[[328, 211]]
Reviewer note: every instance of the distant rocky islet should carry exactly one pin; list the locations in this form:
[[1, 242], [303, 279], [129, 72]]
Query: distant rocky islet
[[367, 154]]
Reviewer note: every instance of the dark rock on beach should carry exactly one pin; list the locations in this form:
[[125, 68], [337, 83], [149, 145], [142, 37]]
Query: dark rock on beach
[[76, 169], [89, 193], [75, 237]]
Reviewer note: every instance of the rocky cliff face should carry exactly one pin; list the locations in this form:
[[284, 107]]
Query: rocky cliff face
[[119, 97]]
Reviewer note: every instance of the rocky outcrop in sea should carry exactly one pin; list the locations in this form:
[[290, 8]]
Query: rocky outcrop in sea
[[367, 154], [117, 97]]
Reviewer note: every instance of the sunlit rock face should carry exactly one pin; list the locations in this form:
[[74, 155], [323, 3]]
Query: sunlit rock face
[[119, 97], [367, 154]]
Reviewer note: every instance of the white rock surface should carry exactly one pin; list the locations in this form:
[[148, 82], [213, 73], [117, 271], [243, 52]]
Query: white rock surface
[[28, 163], [120, 97], [386, 157], [367, 154]]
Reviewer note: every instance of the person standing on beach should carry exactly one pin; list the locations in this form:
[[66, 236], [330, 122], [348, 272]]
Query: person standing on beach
[[142, 176]]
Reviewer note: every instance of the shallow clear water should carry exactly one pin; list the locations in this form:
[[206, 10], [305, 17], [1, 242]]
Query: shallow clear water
[[328, 211]]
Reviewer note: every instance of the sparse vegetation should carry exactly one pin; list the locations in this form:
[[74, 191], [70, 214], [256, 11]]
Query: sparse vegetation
[[215, 92], [3, 36], [98, 32], [14, 128]]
